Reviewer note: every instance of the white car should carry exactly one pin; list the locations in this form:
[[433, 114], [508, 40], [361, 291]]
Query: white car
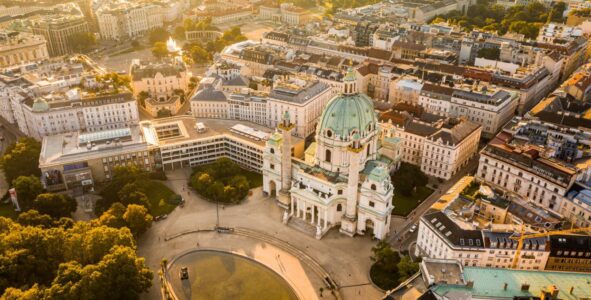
[[413, 228]]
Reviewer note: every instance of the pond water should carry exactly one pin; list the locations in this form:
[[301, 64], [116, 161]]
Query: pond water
[[218, 275]]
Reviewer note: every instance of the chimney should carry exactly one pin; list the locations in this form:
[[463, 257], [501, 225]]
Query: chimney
[[525, 287], [572, 288], [505, 286], [470, 284]]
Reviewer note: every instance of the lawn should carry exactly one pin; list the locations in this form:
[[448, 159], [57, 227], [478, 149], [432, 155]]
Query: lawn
[[7, 210], [403, 205], [157, 191]]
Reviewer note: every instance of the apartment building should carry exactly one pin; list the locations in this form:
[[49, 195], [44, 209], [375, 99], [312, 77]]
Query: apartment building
[[284, 13], [57, 29], [526, 170], [303, 97], [124, 20], [488, 107], [442, 237], [440, 146], [570, 253], [21, 48]]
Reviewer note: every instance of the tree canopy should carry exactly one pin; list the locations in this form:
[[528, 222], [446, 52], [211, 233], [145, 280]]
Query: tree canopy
[[21, 159], [389, 269], [487, 15], [27, 189], [159, 50], [407, 179], [55, 205], [81, 261], [82, 41], [158, 34], [221, 181]]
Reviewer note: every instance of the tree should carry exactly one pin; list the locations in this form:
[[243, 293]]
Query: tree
[[408, 178], [557, 12], [159, 50], [113, 217], [199, 55], [163, 113], [55, 205], [158, 34], [131, 193], [27, 189], [179, 32], [529, 30], [137, 218], [21, 159], [82, 41], [35, 219], [406, 268], [82, 261], [119, 275], [142, 96], [489, 53]]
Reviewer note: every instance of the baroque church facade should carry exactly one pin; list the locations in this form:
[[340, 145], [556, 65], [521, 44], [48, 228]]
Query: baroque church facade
[[344, 181]]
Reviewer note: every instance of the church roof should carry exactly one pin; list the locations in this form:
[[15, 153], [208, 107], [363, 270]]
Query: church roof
[[346, 113]]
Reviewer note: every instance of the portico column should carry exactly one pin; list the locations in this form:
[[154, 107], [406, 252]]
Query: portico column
[[305, 208], [325, 218], [292, 206], [313, 210]]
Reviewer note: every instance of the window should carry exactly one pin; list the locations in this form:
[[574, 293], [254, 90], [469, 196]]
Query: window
[[372, 204], [272, 151], [327, 155], [339, 207], [373, 187], [339, 192]]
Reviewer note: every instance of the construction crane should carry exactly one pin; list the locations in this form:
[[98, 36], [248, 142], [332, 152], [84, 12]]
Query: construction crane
[[522, 236]]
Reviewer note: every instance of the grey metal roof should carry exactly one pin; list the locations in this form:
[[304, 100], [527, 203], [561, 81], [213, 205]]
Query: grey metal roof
[[209, 94]]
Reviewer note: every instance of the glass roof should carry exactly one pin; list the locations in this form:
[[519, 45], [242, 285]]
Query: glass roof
[[103, 135]]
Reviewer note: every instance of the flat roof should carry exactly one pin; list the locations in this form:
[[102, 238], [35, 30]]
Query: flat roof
[[187, 125], [490, 282]]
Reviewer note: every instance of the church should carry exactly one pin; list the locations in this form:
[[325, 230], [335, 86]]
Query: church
[[344, 180]]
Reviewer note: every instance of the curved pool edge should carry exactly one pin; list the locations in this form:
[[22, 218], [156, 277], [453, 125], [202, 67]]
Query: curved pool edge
[[170, 263]]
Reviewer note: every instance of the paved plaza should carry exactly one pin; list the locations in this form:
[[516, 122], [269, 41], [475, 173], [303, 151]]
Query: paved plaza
[[346, 259]]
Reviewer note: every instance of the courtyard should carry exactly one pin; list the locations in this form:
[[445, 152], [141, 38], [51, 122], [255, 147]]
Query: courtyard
[[260, 236]]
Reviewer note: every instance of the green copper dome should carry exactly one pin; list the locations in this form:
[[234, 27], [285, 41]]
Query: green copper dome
[[40, 105], [347, 114]]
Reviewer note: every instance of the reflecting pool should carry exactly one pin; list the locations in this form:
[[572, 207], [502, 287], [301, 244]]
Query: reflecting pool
[[220, 275]]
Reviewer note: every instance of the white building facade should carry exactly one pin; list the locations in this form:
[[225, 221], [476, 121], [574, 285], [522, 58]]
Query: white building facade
[[348, 185]]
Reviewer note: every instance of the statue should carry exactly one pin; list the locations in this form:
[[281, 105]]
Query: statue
[[318, 232]]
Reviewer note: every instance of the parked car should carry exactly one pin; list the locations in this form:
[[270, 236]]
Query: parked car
[[160, 217], [413, 228]]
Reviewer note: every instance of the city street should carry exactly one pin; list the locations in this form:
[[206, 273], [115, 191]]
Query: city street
[[400, 237]]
